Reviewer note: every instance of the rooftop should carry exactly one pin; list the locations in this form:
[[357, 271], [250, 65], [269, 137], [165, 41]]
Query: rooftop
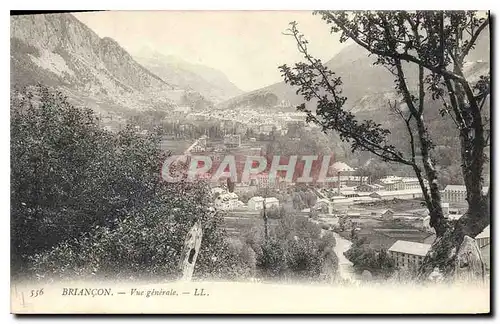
[[408, 247], [398, 192], [341, 167], [485, 233], [461, 188]]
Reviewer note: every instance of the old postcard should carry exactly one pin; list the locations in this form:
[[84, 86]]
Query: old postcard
[[250, 162]]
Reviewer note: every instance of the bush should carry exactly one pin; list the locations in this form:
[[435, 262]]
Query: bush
[[297, 250], [378, 262], [304, 258], [271, 261]]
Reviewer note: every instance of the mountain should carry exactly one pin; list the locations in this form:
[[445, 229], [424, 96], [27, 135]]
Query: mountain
[[60, 51], [366, 86], [209, 82]]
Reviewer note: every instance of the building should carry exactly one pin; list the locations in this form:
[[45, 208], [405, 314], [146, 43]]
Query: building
[[349, 193], [367, 188], [408, 254], [232, 140], [483, 238], [257, 203], [387, 214], [198, 148], [324, 206], [400, 183], [283, 104], [227, 201], [457, 193], [341, 167], [397, 194]]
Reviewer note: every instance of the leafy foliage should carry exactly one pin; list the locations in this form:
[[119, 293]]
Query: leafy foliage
[[296, 250], [88, 202], [378, 262]]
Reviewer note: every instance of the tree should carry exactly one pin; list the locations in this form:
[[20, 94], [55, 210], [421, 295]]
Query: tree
[[85, 201], [436, 43], [364, 258], [230, 185]]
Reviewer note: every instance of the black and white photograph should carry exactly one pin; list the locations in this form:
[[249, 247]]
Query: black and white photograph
[[250, 162]]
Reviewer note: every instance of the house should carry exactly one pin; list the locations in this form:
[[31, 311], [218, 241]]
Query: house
[[227, 201], [255, 203], [408, 254], [457, 193], [231, 140], [387, 214]]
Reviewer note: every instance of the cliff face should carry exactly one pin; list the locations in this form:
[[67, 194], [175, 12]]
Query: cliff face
[[59, 50]]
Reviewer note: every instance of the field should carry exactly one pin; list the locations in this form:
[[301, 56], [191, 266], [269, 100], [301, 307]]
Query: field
[[381, 234], [175, 146], [240, 222]]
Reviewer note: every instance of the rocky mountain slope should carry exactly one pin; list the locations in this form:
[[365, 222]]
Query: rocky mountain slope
[[209, 82], [60, 51]]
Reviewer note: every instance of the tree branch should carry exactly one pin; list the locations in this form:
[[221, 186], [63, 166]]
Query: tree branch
[[474, 37]]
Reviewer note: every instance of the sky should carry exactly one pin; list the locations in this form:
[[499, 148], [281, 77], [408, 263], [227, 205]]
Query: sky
[[247, 46]]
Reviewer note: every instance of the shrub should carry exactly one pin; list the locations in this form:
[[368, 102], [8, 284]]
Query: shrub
[[378, 262], [271, 261]]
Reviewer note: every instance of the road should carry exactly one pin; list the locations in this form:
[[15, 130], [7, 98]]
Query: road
[[346, 269]]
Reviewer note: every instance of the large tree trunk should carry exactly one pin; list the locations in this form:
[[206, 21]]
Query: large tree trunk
[[443, 253], [437, 220]]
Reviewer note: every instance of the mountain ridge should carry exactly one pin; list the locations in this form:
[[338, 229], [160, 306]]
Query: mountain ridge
[[360, 77], [208, 81], [60, 51]]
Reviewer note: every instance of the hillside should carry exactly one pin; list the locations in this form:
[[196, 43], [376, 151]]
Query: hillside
[[60, 51], [211, 83], [362, 79]]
